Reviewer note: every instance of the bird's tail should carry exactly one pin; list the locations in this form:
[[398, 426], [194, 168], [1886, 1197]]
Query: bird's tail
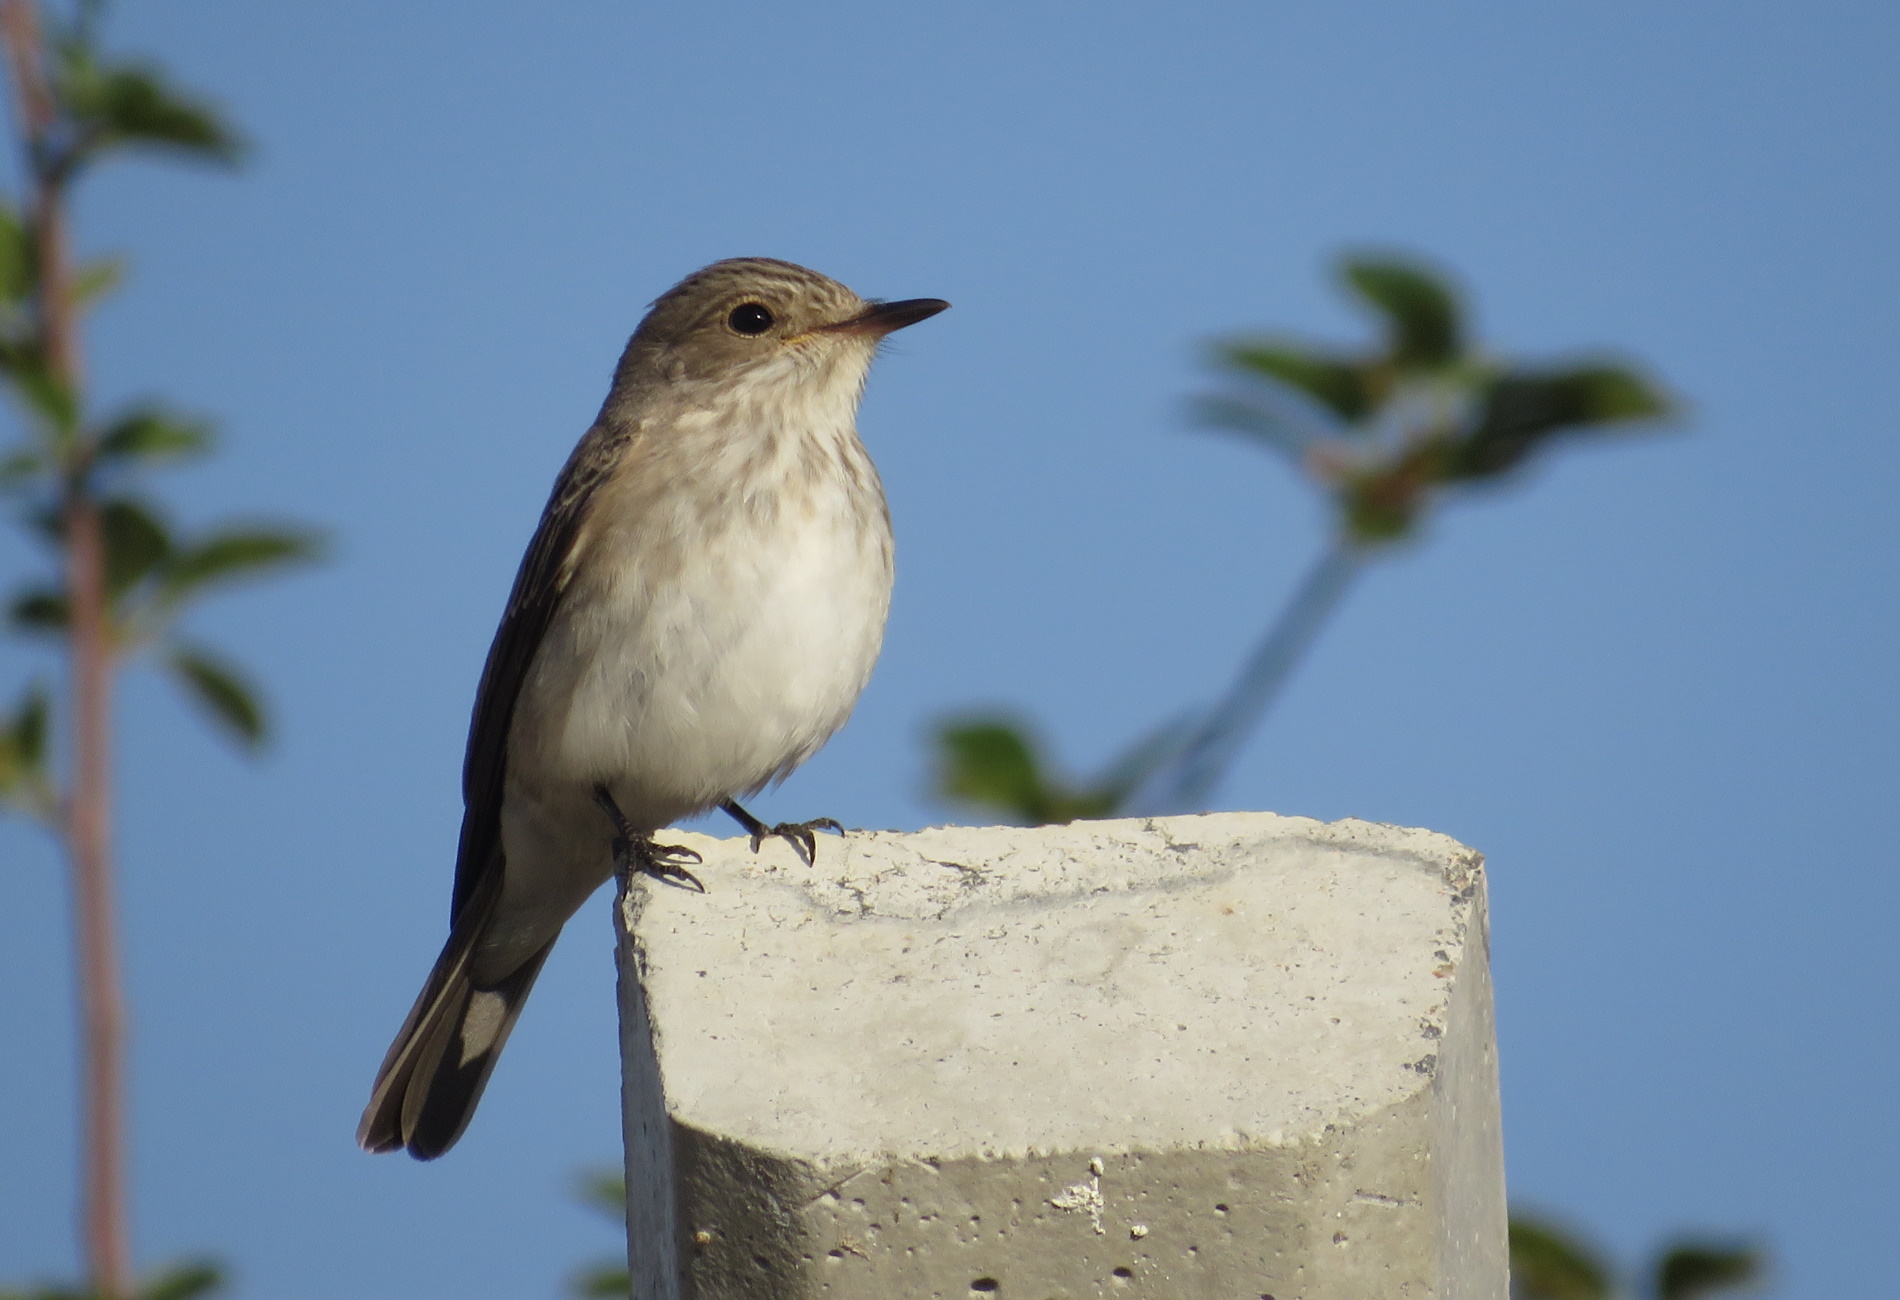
[[435, 1071]]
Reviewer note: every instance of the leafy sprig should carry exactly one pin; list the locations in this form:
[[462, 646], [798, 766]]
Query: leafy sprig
[[1389, 431]]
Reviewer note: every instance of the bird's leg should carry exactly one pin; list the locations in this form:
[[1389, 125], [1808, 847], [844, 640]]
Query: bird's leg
[[798, 834], [635, 848]]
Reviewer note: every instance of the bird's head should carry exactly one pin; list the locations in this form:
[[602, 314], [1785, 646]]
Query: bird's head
[[755, 316]]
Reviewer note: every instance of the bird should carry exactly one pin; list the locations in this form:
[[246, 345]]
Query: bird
[[697, 613]]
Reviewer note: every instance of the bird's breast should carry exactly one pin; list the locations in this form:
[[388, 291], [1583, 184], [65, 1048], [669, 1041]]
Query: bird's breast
[[718, 625]]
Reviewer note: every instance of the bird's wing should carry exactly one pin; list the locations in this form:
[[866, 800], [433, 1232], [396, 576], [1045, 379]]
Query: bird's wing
[[545, 572]]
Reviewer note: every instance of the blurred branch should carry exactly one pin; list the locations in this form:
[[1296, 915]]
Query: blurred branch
[[50, 165], [123, 576], [1183, 782], [1389, 433]]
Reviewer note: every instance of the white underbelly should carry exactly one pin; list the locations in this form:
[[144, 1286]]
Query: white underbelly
[[682, 682]]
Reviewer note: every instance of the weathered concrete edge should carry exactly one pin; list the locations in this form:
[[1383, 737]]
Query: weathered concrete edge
[[1468, 1167], [653, 1226], [761, 1223], [1430, 851]]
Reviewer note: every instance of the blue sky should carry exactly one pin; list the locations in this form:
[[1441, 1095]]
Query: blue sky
[[1654, 682]]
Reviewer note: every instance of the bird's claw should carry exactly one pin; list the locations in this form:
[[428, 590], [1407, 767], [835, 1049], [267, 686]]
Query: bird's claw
[[633, 848], [668, 862], [661, 861], [800, 835]]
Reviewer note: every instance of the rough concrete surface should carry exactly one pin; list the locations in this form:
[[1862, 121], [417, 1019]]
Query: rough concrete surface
[[1235, 1055]]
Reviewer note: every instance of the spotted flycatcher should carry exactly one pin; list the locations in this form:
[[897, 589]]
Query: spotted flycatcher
[[699, 609]]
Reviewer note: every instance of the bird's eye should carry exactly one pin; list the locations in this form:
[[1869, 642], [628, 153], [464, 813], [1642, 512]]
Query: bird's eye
[[750, 318]]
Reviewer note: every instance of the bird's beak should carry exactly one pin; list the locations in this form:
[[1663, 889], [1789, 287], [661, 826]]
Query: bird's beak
[[881, 318]]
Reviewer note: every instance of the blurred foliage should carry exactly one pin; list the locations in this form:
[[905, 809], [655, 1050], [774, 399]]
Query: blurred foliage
[[154, 572], [1387, 431], [105, 104], [133, 574], [111, 105], [153, 575], [995, 763], [179, 1282], [24, 782], [606, 1192], [1690, 1270], [1549, 1262]]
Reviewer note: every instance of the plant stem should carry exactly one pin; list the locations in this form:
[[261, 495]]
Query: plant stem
[[1185, 783], [88, 828], [87, 823]]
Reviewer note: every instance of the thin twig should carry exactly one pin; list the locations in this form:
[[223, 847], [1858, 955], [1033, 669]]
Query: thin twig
[[1185, 783], [88, 819]]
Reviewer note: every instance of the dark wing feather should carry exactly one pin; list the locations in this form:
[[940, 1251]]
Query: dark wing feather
[[539, 585]]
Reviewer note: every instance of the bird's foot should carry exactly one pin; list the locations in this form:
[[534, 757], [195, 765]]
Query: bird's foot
[[800, 835], [661, 861], [635, 850]]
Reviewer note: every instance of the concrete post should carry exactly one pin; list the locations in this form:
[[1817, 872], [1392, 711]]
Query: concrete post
[[1237, 1056]]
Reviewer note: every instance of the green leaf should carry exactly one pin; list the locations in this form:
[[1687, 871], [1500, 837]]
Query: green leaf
[[26, 730], [137, 544], [1606, 394], [221, 691], [38, 609], [1524, 408], [154, 434], [179, 1282], [990, 763], [1420, 309], [17, 258], [605, 1191], [51, 1291], [51, 399], [1348, 389], [1691, 1270], [604, 1282], [234, 553], [22, 466], [1548, 1263], [23, 778], [183, 1281], [1251, 420], [97, 278], [133, 105]]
